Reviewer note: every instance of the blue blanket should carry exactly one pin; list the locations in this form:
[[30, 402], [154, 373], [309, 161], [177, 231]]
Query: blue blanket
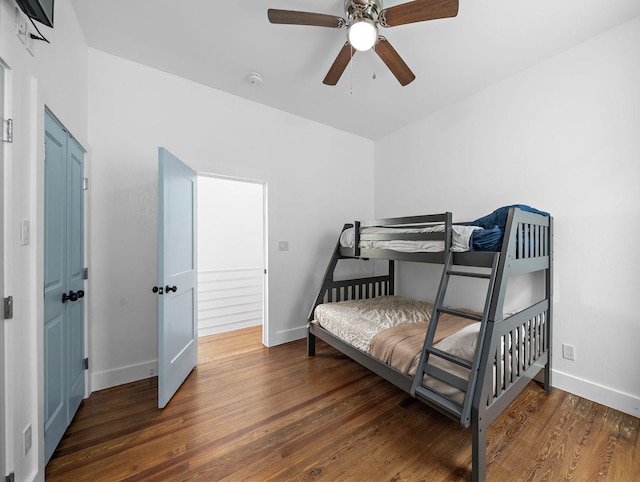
[[490, 238]]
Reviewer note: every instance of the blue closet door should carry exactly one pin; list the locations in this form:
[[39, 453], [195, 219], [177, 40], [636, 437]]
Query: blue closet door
[[63, 281], [75, 275], [177, 323]]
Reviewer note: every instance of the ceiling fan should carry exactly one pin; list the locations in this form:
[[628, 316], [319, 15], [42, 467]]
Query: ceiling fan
[[362, 22]]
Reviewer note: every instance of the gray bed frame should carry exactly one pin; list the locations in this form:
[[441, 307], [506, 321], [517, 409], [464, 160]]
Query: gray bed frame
[[527, 247]]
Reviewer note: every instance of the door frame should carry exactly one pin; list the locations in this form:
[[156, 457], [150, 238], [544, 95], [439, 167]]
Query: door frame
[[265, 251], [3, 437]]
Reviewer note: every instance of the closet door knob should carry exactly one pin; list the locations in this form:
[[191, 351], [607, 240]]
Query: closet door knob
[[156, 289], [72, 296], [171, 288]]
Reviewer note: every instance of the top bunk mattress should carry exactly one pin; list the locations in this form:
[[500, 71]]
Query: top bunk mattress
[[460, 241], [483, 234]]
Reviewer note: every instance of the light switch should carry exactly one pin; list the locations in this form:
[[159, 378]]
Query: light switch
[[25, 232]]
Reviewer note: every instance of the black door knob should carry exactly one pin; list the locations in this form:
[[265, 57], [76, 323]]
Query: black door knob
[[171, 288], [156, 289], [80, 294], [72, 296]]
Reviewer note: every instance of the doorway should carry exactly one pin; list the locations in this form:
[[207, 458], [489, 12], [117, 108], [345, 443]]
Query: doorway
[[231, 254]]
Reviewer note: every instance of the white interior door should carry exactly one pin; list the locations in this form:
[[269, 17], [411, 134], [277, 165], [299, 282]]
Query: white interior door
[[177, 285]]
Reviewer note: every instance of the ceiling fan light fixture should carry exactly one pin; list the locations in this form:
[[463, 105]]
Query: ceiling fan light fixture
[[363, 34]]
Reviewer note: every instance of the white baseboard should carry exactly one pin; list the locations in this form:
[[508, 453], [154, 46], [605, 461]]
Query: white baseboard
[[122, 375], [597, 393], [214, 330], [285, 336]]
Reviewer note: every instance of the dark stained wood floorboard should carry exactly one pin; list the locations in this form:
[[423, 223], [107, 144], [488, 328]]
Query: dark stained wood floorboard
[[253, 413]]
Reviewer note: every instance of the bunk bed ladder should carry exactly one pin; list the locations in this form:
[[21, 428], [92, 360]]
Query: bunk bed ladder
[[453, 408]]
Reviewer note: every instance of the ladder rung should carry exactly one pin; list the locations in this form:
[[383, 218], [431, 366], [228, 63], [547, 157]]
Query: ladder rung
[[449, 378], [442, 401], [469, 274], [462, 314], [448, 356]]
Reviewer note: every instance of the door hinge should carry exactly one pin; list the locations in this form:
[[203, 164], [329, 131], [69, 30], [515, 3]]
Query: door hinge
[[11, 477], [85, 273], [85, 363], [7, 134], [85, 184], [8, 308]]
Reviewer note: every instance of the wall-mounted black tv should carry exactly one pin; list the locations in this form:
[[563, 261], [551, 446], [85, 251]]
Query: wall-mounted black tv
[[39, 10]]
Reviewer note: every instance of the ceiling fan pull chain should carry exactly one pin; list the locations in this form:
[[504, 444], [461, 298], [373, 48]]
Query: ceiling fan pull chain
[[374, 63], [351, 72]]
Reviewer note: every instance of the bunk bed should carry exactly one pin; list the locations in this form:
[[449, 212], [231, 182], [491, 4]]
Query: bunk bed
[[468, 365]]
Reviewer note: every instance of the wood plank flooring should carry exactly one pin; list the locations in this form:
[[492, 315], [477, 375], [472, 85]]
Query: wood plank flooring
[[249, 412]]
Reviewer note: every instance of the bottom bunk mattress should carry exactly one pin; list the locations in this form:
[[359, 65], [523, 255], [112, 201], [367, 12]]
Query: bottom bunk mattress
[[358, 321], [393, 329]]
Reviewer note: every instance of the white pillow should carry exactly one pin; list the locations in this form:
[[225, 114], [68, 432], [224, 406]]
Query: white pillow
[[462, 343]]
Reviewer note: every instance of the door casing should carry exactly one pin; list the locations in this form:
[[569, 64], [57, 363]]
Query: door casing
[[3, 365]]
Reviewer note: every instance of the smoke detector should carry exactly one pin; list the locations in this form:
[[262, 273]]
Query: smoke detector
[[254, 78]]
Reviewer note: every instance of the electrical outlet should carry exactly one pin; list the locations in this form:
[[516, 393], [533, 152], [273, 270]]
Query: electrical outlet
[[26, 435], [568, 352]]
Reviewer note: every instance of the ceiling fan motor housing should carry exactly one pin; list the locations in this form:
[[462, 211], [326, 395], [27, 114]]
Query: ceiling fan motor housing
[[358, 9]]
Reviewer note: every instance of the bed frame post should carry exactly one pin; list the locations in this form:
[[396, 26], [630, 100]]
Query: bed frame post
[[311, 344], [326, 282], [478, 448], [549, 294]]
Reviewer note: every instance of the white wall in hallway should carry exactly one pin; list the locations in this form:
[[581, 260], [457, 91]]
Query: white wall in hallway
[[230, 223]]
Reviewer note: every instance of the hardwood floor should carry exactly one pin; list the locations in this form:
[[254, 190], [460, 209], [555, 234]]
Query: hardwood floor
[[249, 412]]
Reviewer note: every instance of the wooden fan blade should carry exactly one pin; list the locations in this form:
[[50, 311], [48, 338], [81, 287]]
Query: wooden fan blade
[[418, 11], [292, 17], [395, 63], [339, 64]]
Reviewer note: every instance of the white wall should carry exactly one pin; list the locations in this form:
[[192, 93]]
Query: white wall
[[317, 178], [563, 137], [230, 224], [55, 76]]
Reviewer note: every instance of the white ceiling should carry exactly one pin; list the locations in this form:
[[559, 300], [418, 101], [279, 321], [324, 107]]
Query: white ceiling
[[219, 43]]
